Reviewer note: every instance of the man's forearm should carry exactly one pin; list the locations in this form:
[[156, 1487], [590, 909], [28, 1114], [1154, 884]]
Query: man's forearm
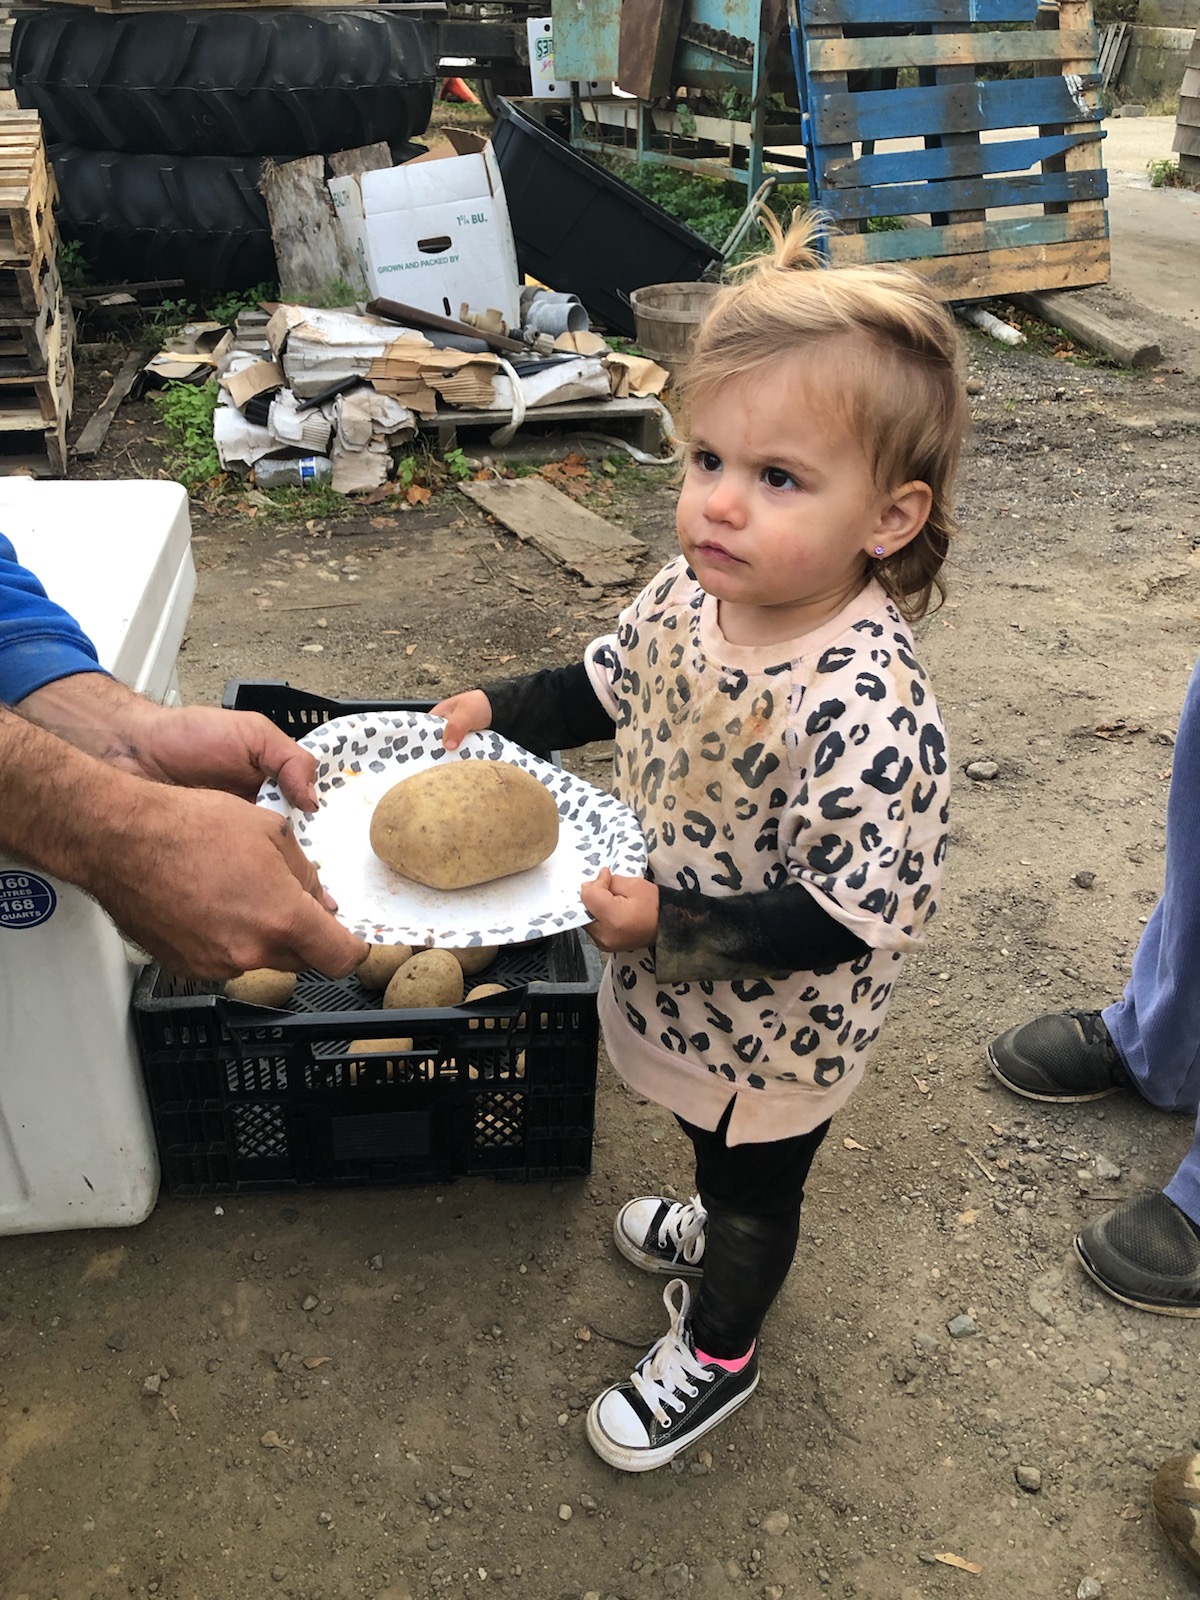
[[96, 714], [57, 802]]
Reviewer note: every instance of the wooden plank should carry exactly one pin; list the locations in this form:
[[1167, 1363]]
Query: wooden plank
[[1187, 140], [87, 446], [994, 274], [1189, 89], [964, 161], [873, 13], [1074, 313], [353, 163], [943, 50], [913, 245], [648, 32], [1071, 15], [968, 194], [310, 247], [958, 108], [578, 539]]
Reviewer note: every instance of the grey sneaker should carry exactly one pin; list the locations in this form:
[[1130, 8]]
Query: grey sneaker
[[661, 1235], [1065, 1056], [1145, 1253]]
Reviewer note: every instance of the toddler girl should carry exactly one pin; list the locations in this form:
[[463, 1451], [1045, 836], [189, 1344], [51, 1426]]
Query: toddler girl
[[779, 742]]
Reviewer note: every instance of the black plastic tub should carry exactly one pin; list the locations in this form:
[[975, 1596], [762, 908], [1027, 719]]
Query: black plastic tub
[[580, 229]]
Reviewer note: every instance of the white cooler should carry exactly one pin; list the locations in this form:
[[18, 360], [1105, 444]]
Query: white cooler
[[76, 1142]]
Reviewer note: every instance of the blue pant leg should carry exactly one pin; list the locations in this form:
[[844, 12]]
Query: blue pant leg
[[1156, 1025]]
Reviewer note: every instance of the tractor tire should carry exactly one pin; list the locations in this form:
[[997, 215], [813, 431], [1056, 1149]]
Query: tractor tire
[[279, 83], [139, 217]]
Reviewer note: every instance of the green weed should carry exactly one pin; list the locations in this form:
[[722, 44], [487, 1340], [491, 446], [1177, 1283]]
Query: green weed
[[297, 503], [225, 307], [187, 413], [1165, 174], [72, 268]]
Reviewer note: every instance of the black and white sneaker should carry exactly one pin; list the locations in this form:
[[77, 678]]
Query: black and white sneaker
[[661, 1235], [671, 1400]]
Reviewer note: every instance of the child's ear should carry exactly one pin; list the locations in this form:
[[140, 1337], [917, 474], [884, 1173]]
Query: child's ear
[[903, 516]]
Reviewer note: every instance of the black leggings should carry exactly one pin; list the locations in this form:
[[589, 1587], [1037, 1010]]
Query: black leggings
[[753, 1194]]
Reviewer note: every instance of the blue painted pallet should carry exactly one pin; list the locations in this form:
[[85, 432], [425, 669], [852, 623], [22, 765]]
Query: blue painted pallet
[[1004, 189]]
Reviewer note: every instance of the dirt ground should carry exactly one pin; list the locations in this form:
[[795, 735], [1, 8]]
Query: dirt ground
[[417, 1431]]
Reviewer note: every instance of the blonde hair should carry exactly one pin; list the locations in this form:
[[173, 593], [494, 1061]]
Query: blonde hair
[[892, 355]]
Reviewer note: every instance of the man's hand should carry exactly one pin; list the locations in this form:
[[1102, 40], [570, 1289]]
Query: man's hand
[[206, 747], [202, 747], [624, 911], [213, 886], [470, 712]]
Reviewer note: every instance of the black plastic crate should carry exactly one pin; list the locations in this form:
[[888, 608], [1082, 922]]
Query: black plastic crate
[[245, 1098]]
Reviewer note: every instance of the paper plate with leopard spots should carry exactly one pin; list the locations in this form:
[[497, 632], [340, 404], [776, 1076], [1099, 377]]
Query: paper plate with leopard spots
[[360, 757]]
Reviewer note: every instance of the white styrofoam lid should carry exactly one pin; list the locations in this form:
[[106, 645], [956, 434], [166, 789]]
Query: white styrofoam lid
[[117, 556]]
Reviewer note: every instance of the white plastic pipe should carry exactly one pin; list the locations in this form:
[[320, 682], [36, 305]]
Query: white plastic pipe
[[1004, 331]]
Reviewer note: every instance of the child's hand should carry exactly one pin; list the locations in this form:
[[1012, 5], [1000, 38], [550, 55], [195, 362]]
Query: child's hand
[[624, 911], [470, 712]]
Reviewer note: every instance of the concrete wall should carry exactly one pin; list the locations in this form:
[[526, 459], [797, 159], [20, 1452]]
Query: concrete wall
[[1154, 64], [1169, 14]]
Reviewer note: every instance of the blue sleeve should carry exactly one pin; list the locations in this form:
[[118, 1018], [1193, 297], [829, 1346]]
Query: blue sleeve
[[39, 641]]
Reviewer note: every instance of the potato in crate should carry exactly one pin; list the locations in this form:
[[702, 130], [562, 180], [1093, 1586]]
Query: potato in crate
[[335, 1091]]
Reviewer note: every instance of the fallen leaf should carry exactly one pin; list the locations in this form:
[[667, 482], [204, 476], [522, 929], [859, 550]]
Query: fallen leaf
[[922, 1086], [272, 1440], [583, 1334], [409, 648], [853, 1144], [1003, 1164], [316, 1361], [949, 1560], [381, 522], [172, 1411], [417, 495]]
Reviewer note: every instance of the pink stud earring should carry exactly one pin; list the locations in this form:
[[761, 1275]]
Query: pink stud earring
[[878, 549]]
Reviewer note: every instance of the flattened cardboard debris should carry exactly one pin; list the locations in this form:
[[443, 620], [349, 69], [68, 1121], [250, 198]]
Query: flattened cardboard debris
[[366, 425], [557, 382], [416, 373], [258, 378], [308, 431], [318, 348], [240, 442], [636, 375], [581, 541], [585, 343], [174, 367]]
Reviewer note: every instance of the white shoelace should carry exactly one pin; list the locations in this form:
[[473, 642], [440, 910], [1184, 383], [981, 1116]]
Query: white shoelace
[[682, 1230], [662, 1376]]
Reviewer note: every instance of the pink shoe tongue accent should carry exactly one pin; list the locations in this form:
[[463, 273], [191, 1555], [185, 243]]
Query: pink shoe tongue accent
[[730, 1365]]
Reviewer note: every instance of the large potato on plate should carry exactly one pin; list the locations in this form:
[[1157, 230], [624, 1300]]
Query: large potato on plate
[[462, 823]]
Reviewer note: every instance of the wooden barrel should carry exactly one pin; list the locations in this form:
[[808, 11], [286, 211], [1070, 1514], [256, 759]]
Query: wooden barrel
[[666, 316]]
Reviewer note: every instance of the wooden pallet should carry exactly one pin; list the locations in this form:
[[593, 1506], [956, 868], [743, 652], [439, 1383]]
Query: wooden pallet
[[1187, 124], [194, 5], [28, 193], [29, 345], [1006, 193]]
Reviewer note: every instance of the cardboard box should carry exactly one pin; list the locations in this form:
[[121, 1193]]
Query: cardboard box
[[435, 232]]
